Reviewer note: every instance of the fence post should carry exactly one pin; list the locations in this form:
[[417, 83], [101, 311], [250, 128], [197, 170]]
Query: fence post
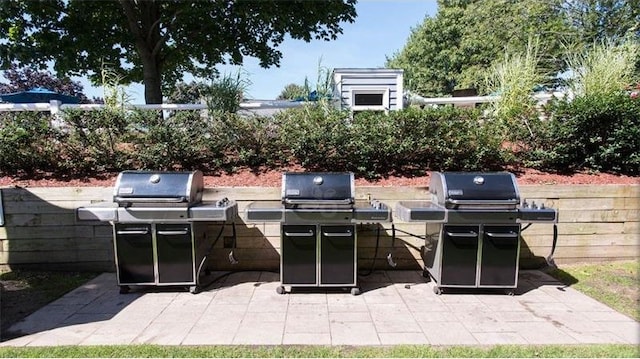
[[56, 115]]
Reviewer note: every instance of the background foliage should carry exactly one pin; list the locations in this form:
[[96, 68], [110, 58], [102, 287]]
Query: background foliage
[[456, 47], [599, 133]]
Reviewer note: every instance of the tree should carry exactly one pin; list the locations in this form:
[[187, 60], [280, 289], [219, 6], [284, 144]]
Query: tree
[[455, 48], [157, 42], [599, 20], [293, 91], [27, 78]]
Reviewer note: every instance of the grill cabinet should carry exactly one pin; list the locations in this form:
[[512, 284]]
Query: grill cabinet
[[160, 227], [318, 214], [473, 229]]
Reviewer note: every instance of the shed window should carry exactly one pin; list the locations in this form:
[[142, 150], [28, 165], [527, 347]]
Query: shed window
[[368, 99]]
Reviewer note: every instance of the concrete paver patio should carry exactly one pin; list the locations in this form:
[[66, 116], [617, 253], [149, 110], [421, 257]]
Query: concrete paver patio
[[395, 307]]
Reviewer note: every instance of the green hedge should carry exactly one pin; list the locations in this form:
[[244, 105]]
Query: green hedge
[[599, 133], [587, 133]]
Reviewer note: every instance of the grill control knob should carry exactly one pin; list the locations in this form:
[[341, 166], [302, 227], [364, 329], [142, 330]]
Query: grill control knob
[[318, 180], [478, 180], [155, 178]]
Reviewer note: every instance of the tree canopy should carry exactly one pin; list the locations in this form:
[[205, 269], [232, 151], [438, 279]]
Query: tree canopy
[[158, 42], [456, 47]]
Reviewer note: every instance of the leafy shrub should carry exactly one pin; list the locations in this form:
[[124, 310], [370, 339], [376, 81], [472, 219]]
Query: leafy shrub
[[315, 136], [374, 143], [182, 141], [250, 141], [96, 141], [28, 143], [599, 133], [453, 139]]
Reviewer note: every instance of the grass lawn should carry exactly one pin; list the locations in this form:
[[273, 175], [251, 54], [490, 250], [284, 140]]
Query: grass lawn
[[615, 284]]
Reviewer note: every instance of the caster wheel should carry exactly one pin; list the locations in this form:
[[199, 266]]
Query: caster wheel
[[509, 292], [355, 291], [194, 290], [124, 289], [437, 290], [280, 290]]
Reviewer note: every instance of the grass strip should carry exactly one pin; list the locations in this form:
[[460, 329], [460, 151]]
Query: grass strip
[[292, 351]]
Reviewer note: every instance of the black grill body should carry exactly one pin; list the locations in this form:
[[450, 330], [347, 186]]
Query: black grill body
[[473, 229], [159, 227], [318, 215], [318, 242]]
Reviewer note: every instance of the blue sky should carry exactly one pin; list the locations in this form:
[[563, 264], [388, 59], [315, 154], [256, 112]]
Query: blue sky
[[381, 29]]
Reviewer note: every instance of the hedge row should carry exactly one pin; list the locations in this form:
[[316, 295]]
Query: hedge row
[[599, 134]]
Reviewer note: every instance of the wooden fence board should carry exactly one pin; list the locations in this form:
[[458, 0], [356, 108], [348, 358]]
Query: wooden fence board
[[614, 215], [597, 239], [579, 191], [598, 222], [39, 219], [71, 244]]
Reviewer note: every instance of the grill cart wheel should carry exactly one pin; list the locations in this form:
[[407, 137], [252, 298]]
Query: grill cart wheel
[[280, 290], [124, 289], [355, 291], [425, 274], [194, 289], [437, 290], [509, 292]]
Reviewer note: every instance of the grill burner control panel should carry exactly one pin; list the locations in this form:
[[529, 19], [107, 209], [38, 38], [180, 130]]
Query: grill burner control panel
[[536, 213]]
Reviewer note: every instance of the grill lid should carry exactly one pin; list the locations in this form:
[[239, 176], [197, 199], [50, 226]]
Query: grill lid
[[157, 187], [467, 189], [318, 188]]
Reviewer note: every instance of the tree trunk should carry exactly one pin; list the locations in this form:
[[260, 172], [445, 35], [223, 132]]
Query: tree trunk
[[152, 80], [144, 19]]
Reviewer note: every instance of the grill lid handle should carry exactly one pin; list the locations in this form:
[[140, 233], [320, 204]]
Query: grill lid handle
[[151, 199]]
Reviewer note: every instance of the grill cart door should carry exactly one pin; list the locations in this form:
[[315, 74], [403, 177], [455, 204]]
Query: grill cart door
[[175, 253], [298, 254], [337, 255], [500, 252], [134, 253], [459, 255]]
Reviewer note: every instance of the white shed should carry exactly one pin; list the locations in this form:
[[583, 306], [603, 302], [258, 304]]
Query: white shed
[[360, 89]]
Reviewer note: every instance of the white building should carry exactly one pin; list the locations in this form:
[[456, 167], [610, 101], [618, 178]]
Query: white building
[[360, 89]]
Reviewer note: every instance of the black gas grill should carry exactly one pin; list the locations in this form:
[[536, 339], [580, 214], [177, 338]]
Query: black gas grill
[[318, 213], [477, 240], [160, 224]]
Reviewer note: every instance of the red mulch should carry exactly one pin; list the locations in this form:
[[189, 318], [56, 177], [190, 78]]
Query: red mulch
[[272, 178]]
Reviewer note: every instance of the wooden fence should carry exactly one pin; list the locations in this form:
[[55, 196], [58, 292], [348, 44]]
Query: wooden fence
[[596, 223]]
